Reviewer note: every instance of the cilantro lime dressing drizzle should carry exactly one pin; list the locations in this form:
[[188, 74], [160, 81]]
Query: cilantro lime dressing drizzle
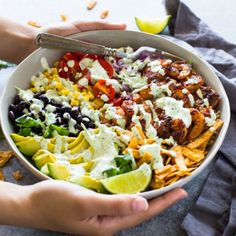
[[191, 99], [25, 95], [52, 95], [160, 90], [98, 72], [134, 82], [175, 109], [36, 106], [155, 67], [210, 121], [43, 143], [104, 149], [155, 150], [149, 129], [199, 93], [87, 111], [58, 144], [111, 113]]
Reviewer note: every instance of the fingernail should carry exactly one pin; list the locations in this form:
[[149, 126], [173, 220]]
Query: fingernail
[[139, 204]]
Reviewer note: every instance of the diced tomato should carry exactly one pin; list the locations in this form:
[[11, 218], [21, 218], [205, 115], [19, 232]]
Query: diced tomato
[[101, 88], [70, 56], [107, 66], [117, 102]]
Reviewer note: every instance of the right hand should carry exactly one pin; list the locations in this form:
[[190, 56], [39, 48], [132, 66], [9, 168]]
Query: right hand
[[60, 206]]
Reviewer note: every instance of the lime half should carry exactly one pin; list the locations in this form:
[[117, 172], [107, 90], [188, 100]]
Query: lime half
[[152, 26], [132, 182]]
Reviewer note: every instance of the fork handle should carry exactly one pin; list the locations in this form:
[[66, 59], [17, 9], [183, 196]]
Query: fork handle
[[46, 40]]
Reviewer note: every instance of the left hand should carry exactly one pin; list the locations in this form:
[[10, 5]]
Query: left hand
[[18, 39]]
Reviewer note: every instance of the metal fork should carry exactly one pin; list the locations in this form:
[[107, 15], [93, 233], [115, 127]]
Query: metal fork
[[46, 40]]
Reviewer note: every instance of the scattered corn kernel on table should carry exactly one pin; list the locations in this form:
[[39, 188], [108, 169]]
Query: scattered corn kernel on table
[[53, 12]]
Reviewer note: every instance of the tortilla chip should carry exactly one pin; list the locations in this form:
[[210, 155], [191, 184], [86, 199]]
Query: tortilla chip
[[157, 183], [146, 158], [194, 155], [179, 159], [204, 138], [2, 177], [5, 156], [17, 175]]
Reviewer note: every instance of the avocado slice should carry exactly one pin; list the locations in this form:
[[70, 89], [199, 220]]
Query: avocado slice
[[45, 170], [88, 182], [80, 147], [41, 160], [75, 142], [58, 171], [29, 146]]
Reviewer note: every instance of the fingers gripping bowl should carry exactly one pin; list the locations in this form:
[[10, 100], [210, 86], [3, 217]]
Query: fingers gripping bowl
[[116, 125]]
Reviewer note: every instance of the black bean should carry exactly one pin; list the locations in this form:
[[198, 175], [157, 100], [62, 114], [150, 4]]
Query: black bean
[[79, 127], [54, 103], [41, 116], [79, 118], [21, 106], [73, 135], [91, 125], [65, 109], [12, 116], [85, 123], [64, 121], [44, 99], [17, 99], [58, 121], [37, 95], [75, 112], [13, 108]]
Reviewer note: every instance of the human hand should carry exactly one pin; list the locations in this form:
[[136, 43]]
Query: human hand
[[18, 39], [65, 207]]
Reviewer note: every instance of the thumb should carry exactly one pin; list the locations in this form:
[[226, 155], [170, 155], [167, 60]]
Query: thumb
[[73, 27], [118, 205]]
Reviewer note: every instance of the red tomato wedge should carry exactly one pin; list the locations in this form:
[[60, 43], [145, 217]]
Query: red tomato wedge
[[101, 88], [118, 101], [107, 66]]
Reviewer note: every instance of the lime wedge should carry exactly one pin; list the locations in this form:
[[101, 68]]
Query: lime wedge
[[152, 26], [132, 182]]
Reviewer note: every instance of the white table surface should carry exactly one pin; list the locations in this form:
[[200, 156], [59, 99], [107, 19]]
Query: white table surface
[[218, 14]]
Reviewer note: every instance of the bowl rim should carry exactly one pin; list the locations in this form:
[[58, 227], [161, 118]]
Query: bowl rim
[[150, 193]]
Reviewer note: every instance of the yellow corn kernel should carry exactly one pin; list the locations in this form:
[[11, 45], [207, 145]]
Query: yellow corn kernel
[[76, 95], [86, 98], [34, 90], [55, 78], [91, 96], [74, 103], [47, 87], [65, 92], [59, 86], [46, 73], [54, 71]]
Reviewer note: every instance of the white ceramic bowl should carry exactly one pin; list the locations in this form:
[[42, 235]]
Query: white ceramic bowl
[[31, 66]]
